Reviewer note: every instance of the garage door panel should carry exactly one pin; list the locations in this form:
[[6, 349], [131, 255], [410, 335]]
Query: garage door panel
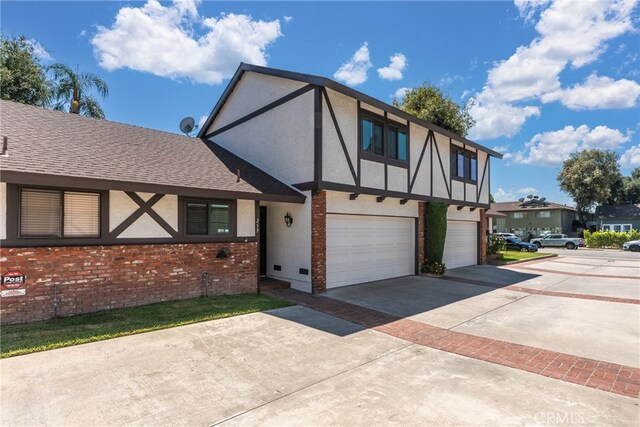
[[461, 248], [367, 248]]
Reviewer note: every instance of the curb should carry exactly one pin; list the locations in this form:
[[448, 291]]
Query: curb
[[521, 261]]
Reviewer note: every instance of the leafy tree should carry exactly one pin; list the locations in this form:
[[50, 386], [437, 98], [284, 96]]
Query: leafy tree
[[589, 176], [631, 188], [22, 77], [436, 229], [491, 199], [430, 103], [73, 91]]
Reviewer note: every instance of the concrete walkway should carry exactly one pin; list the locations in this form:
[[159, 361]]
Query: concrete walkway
[[298, 366]]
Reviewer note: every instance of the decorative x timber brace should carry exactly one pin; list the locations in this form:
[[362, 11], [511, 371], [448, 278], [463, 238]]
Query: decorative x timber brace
[[143, 208]]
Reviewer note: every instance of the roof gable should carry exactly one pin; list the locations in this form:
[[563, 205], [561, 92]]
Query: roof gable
[[328, 83]]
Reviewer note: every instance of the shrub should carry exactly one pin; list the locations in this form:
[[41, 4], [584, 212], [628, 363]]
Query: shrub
[[496, 244], [434, 267], [436, 230], [609, 239]]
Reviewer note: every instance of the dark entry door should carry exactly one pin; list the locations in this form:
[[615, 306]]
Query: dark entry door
[[263, 240]]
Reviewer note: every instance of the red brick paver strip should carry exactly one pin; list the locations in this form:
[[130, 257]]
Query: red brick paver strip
[[557, 261], [542, 292], [598, 374], [545, 270]]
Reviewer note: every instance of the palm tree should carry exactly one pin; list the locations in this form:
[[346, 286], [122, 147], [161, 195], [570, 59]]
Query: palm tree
[[72, 90]]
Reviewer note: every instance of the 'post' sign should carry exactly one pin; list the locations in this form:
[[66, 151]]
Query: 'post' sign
[[13, 284]]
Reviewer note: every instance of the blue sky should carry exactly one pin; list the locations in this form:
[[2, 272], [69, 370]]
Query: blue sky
[[546, 77]]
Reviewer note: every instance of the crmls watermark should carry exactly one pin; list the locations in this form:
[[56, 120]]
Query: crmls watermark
[[559, 418]]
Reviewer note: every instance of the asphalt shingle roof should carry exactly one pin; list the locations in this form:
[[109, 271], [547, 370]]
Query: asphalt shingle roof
[[618, 211], [42, 141], [515, 206]]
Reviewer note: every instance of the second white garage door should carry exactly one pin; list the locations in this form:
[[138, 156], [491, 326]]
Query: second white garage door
[[366, 248], [461, 248]]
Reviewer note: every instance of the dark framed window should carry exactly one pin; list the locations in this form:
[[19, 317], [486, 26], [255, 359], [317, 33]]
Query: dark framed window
[[397, 143], [464, 164], [372, 136], [59, 213], [383, 140], [209, 218]]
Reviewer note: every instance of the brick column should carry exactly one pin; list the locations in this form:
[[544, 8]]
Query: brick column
[[319, 242], [422, 212], [482, 237]]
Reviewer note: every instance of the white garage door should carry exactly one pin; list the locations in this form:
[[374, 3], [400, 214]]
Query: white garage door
[[366, 248], [461, 248]]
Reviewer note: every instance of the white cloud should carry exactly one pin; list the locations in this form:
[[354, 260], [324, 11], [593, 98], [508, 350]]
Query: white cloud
[[39, 51], [503, 196], [499, 119], [201, 121], [554, 147], [570, 33], [526, 191], [354, 71], [400, 93], [631, 157], [501, 148], [397, 64], [528, 8], [597, 93], [163, 40], [287, 19]]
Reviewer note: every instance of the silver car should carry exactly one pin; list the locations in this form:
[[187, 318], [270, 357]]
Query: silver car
[[558, 240], [633, 246]]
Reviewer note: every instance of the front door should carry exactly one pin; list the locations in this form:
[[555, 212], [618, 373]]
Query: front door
[[263, 240]]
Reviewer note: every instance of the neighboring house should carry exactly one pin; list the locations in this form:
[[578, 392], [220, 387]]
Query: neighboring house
[[292, 176], [535, 216], [618, 217]]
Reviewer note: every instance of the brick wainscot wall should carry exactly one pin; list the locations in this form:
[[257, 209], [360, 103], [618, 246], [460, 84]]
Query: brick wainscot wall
[[63, 281]]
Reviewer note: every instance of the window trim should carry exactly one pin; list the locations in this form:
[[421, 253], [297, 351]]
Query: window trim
[[233, 218], [61, 191], [622, 230], [467, 154], [363, 113]]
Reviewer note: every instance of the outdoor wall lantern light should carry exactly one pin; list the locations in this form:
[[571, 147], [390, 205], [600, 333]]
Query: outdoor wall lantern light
[[288, 219]]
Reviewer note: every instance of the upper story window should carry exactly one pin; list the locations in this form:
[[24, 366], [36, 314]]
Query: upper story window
[[372, 136], [397, 143], [519, 215], [58, 214], [543, 214], [383, 138], [464, 164], [208, 218]]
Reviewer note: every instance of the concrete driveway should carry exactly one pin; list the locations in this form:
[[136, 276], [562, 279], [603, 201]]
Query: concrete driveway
[[487, 346]]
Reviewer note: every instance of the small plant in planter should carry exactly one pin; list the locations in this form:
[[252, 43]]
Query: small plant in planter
[[496, 245], [434, 267]]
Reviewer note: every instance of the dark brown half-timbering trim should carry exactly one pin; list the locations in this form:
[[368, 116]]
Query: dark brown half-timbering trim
[[346, 188], [143, 207], [380, 199], [404, 201], [415, 173], [82, 183], [339, 133], [317, 134], [479, 187], [152, 213], [261, 110], [353, 196], [444, 175]]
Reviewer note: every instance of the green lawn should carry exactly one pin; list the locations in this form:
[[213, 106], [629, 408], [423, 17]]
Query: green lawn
[[508, 256], [102, 325]]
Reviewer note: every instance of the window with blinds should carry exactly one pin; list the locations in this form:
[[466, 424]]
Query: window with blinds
[[208, 218], [55, 213]]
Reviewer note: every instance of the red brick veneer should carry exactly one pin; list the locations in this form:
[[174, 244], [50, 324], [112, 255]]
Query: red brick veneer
[[482, 237], [63, 281], [319, 242]]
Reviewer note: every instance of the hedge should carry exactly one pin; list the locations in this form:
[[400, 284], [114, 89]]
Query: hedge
[[609, 239], [436, 231]]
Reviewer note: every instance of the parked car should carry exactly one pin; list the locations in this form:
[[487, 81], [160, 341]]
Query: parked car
[[558, 240], [633, 246], [515, 243], [505, 235]]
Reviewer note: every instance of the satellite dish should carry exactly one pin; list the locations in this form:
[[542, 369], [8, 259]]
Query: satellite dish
[[530, 196], [535, 197], [543, 199], [187, 125], [521, 200]]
